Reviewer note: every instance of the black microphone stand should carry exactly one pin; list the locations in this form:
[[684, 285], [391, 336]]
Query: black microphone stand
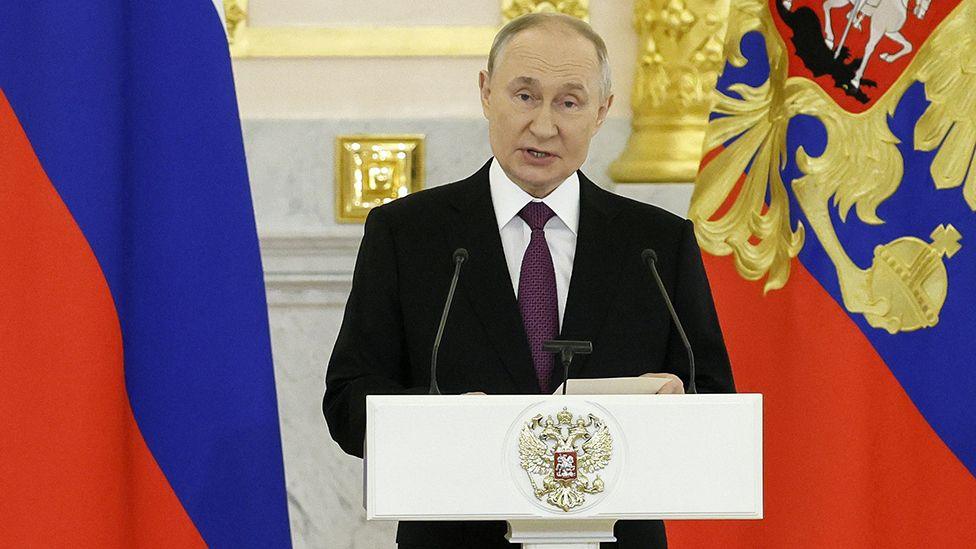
[[460, 255], [650, 258]]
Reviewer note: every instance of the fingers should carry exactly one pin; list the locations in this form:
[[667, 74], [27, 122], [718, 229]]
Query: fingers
[[672, 387]]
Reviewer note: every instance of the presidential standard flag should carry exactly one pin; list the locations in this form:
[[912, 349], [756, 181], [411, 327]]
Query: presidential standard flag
[[137, 399], [836, 209]]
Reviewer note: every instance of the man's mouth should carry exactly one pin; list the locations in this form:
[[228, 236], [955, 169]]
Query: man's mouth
[[538, 154]]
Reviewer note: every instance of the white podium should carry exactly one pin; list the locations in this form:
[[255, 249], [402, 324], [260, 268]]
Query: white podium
[[561, 470]]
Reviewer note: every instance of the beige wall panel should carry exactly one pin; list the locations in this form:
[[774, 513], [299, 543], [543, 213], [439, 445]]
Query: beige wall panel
[[358, 88], [413, 87], [336, 13], [613, 19]]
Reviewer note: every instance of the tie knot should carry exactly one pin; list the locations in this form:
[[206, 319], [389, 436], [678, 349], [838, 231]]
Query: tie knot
[[536, 214]]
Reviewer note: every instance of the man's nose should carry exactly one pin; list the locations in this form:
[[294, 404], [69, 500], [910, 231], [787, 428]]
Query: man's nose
[[543, 124]]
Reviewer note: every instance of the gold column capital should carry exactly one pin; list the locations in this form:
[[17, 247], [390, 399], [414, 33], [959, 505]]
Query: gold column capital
[[516, 8], [679, 59]]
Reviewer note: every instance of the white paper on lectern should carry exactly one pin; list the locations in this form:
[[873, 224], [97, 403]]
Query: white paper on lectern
[[614, 386]]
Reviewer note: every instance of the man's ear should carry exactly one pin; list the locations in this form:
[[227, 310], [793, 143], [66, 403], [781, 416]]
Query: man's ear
[[601, 114], [483, 85]]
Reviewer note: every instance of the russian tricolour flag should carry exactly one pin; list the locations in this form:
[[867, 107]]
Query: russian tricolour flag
[[836, 205], [137, 401]]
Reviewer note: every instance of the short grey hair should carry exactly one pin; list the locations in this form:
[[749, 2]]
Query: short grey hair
[[536, 20]]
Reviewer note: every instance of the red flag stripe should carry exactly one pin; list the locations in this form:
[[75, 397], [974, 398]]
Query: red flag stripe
[[74, 468], [849, 461]]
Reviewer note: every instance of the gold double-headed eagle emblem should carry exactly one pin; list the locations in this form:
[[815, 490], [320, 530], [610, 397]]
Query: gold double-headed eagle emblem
[[562, 455], [748, 216]]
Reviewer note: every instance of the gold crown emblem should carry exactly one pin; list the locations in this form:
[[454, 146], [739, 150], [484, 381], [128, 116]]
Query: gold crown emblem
[[564, 417]]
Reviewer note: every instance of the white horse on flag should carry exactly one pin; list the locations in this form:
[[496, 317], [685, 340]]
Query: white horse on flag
[[887, 19]]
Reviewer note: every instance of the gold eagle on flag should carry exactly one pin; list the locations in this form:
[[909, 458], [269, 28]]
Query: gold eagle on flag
[[747, 214]]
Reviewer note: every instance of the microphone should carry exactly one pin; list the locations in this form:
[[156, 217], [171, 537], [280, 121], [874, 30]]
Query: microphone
[[649, 257], [566, 350], [460, 255]]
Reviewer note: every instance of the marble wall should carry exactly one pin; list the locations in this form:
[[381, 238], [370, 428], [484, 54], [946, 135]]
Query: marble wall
[[308, 263]]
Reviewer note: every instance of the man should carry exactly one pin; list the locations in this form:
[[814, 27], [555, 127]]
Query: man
[[551, 254]]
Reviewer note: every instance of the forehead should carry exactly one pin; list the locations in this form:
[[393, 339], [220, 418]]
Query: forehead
[[551, 55]]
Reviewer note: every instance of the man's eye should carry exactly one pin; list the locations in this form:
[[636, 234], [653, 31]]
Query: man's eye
[[569, 104], [524, 96]]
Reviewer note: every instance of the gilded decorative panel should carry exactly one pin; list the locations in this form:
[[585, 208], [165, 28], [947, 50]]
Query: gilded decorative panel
[[372, 170]]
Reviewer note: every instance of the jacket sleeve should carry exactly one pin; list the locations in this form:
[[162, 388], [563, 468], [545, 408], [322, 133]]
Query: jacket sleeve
[[693, 303], [369, 355]]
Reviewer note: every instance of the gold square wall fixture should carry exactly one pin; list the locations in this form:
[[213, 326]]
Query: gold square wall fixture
[[372, 170]]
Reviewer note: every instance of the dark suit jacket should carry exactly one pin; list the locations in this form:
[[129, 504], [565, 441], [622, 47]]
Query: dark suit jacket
[[401, 279]]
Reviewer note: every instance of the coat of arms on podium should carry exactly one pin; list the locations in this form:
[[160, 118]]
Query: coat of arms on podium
[[562, 457]]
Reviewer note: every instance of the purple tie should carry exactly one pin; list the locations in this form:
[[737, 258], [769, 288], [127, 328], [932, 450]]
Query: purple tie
[[537, 291]]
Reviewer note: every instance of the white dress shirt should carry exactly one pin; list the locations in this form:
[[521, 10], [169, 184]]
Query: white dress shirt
[[508, 200]]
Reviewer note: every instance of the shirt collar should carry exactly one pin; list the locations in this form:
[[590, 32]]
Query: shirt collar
[[508, 198]]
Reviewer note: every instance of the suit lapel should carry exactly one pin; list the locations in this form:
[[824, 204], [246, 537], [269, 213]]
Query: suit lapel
[[596, 268], [486, 283]]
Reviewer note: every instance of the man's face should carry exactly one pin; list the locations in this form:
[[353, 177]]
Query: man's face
[[543, 104]]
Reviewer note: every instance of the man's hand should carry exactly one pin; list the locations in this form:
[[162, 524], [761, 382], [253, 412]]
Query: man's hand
[[674, 386]]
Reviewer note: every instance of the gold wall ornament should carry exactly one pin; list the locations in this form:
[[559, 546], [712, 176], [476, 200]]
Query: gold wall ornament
[[860, 167], [579, 9], [235, 17], [372, 170], [679, 59], [561, 457]]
